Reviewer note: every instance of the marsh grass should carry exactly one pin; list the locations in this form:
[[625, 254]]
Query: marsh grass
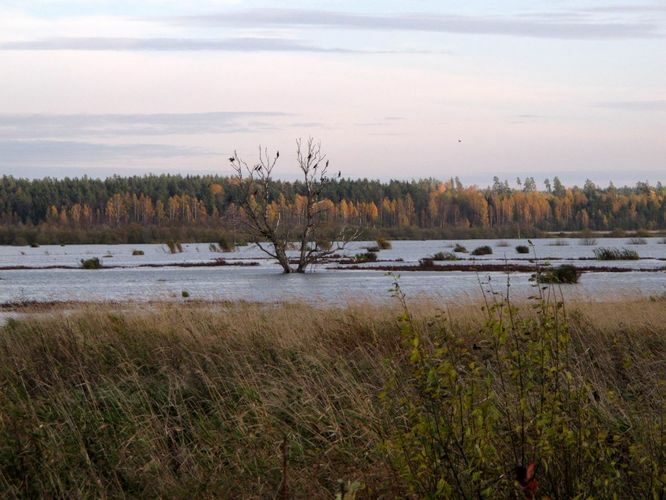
[[366, 257], [604, 253], [637, 241], [458, 248], [191, 400], [564, 274], [92, 263], [483, 250], [174, 247], [445, 256], [384, 244]]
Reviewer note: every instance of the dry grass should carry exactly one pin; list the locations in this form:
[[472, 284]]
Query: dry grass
[[196, 400]]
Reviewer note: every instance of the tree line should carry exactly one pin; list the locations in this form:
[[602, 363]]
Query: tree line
[[147, 206]]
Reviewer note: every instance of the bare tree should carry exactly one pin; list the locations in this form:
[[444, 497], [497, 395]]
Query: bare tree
[[273, 227]]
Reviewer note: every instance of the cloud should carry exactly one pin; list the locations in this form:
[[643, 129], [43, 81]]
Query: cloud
[[37, 152], [648, 105], [163, 44], [42, 126], [244, 44], [629, 9], [543, 26]]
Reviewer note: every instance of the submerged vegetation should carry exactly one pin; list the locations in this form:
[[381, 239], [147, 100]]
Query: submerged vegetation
[[245, 400]]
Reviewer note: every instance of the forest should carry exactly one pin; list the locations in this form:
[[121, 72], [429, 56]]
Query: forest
[[153, 208]]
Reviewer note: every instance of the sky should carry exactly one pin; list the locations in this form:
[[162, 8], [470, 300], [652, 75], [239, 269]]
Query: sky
[[404, 90]]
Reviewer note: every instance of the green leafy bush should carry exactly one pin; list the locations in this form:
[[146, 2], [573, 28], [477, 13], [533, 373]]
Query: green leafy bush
[[509, 416]]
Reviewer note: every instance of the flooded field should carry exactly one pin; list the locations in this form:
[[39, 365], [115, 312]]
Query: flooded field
[[51, 273]]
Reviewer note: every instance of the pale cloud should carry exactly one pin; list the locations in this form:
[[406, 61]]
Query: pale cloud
[[246, 44], [535, 26], [37, 152], [41, 126], [642, 106]]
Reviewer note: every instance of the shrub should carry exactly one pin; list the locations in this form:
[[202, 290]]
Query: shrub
[[565, 273], [502, 243], [174, 246], [615, 254], [185, 294], [366, 257], [507, 415], [427, 262], [384, 244], [444, 256], [324, 244], [93, 263], [559, 243], [523, 249], [34, 245], [459, 248], [588, 241], [137, 252], [482, 250], [637, 241], [225, 245]]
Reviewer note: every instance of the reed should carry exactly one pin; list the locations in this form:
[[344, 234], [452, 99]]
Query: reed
[[226, 400]]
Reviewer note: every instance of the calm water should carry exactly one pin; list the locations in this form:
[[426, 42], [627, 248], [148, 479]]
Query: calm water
[[266, 283]]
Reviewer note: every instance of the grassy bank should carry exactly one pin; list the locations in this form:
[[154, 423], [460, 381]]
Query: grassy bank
[[228, 400]]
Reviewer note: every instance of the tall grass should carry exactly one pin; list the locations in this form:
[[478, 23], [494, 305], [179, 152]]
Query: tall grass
[[190, 400], [604, 253], [384, 244]]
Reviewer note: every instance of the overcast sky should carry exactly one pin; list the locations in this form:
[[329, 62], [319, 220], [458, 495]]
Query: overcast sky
[[392, 89]]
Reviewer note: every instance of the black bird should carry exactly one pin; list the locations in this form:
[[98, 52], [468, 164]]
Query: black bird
[[339, 174], [459, 140], [231, 159], [277, 155]]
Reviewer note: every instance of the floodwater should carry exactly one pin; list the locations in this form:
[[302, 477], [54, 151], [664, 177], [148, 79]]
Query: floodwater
[[265, 282]]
